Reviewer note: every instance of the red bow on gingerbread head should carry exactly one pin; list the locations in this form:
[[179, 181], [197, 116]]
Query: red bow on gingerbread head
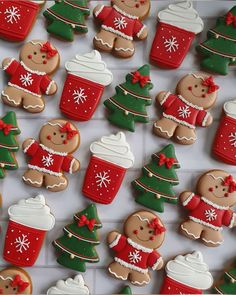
[[68, 130], [6, 128], [19, 283], [137, 77], [212, 87], [229, 181], [47, 48], [85, 221], [169, 162], [230, 19], [156, 226]]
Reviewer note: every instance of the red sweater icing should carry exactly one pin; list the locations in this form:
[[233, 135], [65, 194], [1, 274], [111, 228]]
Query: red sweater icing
[[182, 111], [207, 213], [117, 21], [133, 255], [48, 161], [30, 81]]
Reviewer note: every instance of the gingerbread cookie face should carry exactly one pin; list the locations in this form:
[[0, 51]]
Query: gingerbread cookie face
[[60, 136], [15, 280], [138, 8], [41, 56], [199, 89]]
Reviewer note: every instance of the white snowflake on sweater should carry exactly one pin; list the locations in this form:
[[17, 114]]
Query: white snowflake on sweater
[[22, 243], [232, 139], [210, 215], [184, 112], [26, 80], [120, 23], [171, 44], [12, 15], [134, 257], [48, 160], [79, 96], [103, 179]]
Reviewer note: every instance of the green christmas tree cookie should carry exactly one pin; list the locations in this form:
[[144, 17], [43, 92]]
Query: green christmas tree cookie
[[77, 246], [66, 17], [219, 50], [125, 290], [129, 103], [8, 143], [228, 283], [159, 176]]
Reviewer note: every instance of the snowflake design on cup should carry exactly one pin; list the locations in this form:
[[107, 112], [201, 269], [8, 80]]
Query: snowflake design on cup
[[48, 160], [184, 112], [171, 44], [22, 243], [210, 215], [12, 15], [103, 179], [26, 80], [134, 257], [232, 138], [120, 23], [79, 96]]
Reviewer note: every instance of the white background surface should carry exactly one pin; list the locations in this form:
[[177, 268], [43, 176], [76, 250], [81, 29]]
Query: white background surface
[[194, 159]]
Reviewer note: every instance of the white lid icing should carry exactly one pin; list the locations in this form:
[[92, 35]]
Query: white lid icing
[[182, 15], [90, 66], [190, 270], [32, 212], [230, 108], [114, 149], [70, 286]]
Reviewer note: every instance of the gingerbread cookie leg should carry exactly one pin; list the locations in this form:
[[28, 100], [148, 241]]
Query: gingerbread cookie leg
[[33, 178], [55, 183], [191, 229], [211, 238], [12, 96], [185, 135], [124, 48], [118, 271], [138, 278], [32, 103], [165, 128], [104, 41]]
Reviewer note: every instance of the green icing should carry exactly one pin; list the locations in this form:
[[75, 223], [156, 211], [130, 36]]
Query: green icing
[[154, 187], [77, 246], [129, 103], [125, 290], [228, 283], [66, 17]]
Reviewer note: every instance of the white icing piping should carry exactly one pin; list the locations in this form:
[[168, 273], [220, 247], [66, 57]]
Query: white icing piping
[[80, 238], [141, 31], [56, 185], [130, 266], [133, 94], [25, 90], [118, 277], [115, 242], [10, 62], [136, 114], [196, 76], [165, 98], [26, 149], [215, 177], [52, 124], [30, 106], [124, 13], [212, 242], [205, 119], [31, 181], [232, 220], [190, 234], [99, 11], [8, 98], [159, 177], [139, 247], [71, 166], [217, 228], [49, 86], [103, 43], [124, 49], [189, 198], [51, 151], [7, 278], [189, 103], [44, 170], [178, 121], [155, 265], [110, 29], [214, 205], [32, 71], [140, 283], [36, 43], [67, 22], [142, 219], [218, 53], [186, 138], [163, 131]]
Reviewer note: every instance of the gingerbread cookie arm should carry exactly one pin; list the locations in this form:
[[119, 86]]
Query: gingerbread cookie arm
[[140, 30], [115, 239], [48, 86], [204, 118], [10, 65], [189, 200], [70, 164], [155, 261], [30, 146], [166, 99], [101, 12], [229, 218]]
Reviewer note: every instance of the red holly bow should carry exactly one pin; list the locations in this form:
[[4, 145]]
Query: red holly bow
[[46, 47], [164, 160], [212, 87], [68, 130], [6, 128], [137, 77], [158, 228], [230, 19], [85, 221], [19, 283], [229, 181]]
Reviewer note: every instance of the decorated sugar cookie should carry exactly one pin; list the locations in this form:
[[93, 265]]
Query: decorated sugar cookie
[[187, 274], [195, 94], [219, 50], [29, 221], [227, 283], [125, 290], [17, 18], [121, 23], [14, 280], [210, 207], [51, 156], [70, 286], [128, 105], [67, 17], [135, 250], [77, 246]]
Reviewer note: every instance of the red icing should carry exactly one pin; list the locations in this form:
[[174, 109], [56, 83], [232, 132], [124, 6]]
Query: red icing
[[171, 286]]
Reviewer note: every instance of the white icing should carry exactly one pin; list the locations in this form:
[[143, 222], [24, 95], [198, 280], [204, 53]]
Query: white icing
[[114, 149], [70, 286], [190, 270], [215, 177], [90, 66], [182, 15], [141, 218], [230, 108], [32, 212]]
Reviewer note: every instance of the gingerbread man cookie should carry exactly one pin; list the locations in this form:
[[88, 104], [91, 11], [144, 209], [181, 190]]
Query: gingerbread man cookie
[[121, 23], [29, 77], [51, 155], [210, 207], [188, 108], [15, 280], [135, 251]]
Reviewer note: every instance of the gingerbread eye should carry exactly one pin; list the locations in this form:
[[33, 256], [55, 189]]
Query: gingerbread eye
[[224, 189], [43, 56], [196, 86], [151, 232], [54, 133], [216, 186], [62, 136], [6, 286], [203, 90], [35, 53], [141, 227]]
